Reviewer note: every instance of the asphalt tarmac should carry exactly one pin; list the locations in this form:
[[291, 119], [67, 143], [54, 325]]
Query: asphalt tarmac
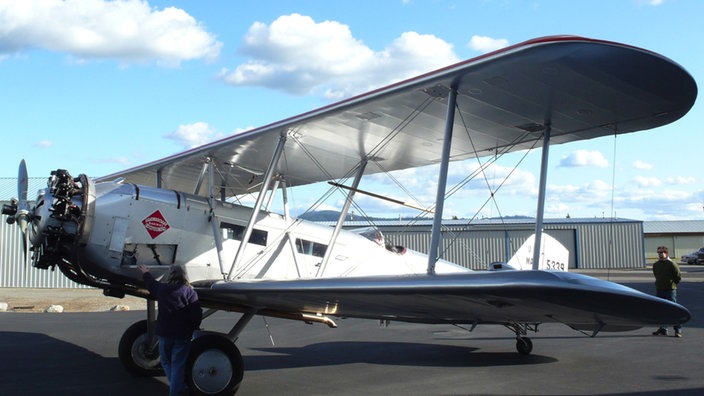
[[76, 354]]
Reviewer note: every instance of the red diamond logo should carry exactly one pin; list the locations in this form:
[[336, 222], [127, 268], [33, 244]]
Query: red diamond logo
[[155, 224]]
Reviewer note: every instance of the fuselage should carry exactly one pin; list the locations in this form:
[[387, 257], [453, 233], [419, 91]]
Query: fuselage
[[102, 231]]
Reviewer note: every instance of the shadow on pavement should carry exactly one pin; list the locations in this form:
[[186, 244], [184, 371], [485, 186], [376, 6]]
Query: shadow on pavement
[[37, 364]]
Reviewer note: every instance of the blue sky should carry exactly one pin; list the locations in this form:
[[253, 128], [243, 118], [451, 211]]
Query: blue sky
[[97, 86]]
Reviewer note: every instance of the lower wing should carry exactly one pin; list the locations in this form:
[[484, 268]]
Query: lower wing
[[505, 297]]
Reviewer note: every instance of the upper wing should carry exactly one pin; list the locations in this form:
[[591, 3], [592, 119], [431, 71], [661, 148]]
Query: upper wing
[[505, 297], [584, 88]]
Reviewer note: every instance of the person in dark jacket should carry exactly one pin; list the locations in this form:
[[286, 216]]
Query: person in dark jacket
[[179, 315], [667, 276]]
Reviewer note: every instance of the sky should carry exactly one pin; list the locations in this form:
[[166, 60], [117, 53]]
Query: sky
[[95, 86]]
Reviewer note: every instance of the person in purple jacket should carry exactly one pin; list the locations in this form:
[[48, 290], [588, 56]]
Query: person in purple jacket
[[179, 315]]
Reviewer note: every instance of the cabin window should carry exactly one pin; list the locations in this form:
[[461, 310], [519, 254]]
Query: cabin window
[[235, 231], [310, 248]]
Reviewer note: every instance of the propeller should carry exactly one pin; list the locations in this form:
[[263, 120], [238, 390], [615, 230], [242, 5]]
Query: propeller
[[23, 204], [23, 214], [18, 210]]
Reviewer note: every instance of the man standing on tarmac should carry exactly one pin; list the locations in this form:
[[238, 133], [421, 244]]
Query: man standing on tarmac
[[667, 276], [179, 315]]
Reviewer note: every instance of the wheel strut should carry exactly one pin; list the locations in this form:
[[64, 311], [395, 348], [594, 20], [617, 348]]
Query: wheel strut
[[524, 345]]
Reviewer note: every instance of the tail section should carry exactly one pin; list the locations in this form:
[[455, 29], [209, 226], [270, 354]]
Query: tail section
[[553, 256]]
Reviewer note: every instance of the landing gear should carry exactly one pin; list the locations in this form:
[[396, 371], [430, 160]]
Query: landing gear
[[138, 353], [524, 345], [214, 367]]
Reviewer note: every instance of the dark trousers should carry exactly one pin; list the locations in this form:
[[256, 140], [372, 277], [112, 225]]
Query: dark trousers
[[672, 296], [174, 354]]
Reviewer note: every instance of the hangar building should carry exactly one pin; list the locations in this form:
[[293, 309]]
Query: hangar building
[[592, 243]]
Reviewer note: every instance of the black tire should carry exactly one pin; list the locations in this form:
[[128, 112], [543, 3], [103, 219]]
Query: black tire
[[524, 345], [135, 354], [215, 366]]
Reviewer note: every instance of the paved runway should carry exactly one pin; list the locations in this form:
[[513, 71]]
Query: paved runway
[[76, 354]]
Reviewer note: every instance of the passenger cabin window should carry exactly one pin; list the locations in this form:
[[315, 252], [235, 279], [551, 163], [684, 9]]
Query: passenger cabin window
[[235, 231], [310, 248]]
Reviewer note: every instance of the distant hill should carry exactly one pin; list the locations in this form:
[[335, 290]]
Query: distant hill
[[322, 215]]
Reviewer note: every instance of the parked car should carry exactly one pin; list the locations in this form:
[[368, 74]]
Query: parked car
[[694, 257]]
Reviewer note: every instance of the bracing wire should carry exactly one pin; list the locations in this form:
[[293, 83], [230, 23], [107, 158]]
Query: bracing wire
[[481, 169]]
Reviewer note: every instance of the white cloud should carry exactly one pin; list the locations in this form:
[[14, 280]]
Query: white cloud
[[694, 207], [582, 158], [128, 30], [638, 164], [591, 192], [44, 144], [654, 3], [486, 44], [681, 180], [300, 56], [503, 180], [647, 182], [658, 205], [556, 210], [237, 131], [194, 135]]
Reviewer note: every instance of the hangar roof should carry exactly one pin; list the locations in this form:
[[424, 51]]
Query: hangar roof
[[674, 227]]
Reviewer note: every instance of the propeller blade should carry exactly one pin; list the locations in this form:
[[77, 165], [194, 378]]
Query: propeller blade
[[22, 222], [22, 182], [25, 244], [23, 215]]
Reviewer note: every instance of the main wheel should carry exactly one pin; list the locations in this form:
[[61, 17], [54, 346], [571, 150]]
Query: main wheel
[[136, 354], [215, 366], [524, 345]]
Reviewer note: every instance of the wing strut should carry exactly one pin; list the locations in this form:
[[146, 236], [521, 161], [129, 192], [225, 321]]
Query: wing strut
[[284, 197], [442, 180], [541, 196], [203, 170], [214, 222], [341, 219], [266, 182], [277, 182]]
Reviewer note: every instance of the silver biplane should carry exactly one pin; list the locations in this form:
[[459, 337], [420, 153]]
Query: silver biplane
[[183, 209]]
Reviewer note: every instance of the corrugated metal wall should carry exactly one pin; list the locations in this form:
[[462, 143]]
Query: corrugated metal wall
[[604, 244], [16, 271], [592, 245], [469, 248], [678, 245], [474, 249]]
